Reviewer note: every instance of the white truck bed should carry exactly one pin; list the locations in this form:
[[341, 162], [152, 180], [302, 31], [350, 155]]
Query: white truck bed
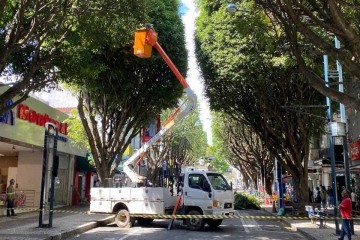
[[138, 200]]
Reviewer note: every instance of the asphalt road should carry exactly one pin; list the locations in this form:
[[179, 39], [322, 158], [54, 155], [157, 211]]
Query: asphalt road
[[230, 229]]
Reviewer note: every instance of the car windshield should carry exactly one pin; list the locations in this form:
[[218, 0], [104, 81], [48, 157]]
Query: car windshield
[[218, 182]]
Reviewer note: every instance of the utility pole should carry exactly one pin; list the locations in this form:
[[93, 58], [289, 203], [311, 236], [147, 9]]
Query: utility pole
[[344, 121], [331, 145], [278, 174]]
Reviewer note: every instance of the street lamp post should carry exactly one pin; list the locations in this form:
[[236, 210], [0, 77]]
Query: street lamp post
[[343, 120], [331, 146], [334, 127], [278, 175], [232, 8], [257, 184]]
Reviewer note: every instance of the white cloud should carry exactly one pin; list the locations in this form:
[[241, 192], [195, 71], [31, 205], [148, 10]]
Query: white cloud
[[194, 77]]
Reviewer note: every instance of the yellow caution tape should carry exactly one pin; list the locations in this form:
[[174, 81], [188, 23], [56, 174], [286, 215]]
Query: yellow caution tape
[[181, 216], [159, 216]]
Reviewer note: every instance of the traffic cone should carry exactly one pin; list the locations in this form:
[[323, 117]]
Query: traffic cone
[[273, 207]]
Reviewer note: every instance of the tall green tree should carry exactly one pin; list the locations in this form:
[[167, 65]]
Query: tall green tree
[[35, 36], [254, 81], [317, 23], [238, 145], [190, 129], [249, 154], [118, 93], [183, 145], [219, 150]]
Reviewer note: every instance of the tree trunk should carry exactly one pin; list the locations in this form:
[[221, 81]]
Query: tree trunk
[[268, 179], [302, 192], [268, 185], [103, 175]]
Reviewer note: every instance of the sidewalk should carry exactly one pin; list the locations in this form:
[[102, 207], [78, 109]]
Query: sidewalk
[[72, 220], [67, 221], [312, 231]]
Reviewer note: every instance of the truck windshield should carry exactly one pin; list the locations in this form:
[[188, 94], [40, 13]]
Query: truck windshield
[[218, 182]]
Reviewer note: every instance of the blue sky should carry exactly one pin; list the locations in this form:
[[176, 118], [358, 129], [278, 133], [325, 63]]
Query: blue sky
[[183, 9]]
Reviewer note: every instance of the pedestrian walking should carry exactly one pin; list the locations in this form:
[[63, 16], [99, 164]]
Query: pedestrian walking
[[10, 199], [345, 208], [330, 196], [317, 195], [323, 195]]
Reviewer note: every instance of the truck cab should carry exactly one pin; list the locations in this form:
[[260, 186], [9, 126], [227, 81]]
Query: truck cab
[[206, 193]]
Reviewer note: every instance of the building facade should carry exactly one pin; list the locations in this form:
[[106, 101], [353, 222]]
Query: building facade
[[22, 134]]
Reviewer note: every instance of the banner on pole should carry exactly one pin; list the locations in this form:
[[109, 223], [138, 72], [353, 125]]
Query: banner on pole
[[151, 128], [355, 150]]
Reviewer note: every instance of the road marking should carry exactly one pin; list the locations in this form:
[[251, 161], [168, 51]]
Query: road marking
[[250, 224], [244, 225], [129, 234], [281, 232]]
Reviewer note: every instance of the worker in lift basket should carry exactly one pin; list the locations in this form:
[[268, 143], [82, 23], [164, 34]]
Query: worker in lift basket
[[345, 212]]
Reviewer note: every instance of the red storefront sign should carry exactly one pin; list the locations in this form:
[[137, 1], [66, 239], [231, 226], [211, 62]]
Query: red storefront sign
[[355, 150], [30, 115]]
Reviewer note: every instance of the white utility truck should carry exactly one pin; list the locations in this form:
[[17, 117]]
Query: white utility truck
[[204, 193], [198, 192]]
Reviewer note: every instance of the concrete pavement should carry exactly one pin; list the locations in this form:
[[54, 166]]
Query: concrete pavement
[[73, 220], [312, 231], [67, 221]]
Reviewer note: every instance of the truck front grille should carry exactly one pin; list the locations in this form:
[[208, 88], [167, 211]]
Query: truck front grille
[[228, 205]]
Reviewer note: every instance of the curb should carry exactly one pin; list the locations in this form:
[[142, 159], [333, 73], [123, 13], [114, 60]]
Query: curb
[[81, 229], [305, 234]]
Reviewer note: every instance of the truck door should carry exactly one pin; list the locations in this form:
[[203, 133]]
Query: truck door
[[197, 191]]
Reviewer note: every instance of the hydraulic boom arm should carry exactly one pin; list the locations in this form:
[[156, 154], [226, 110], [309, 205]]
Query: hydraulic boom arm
[[145, 39]]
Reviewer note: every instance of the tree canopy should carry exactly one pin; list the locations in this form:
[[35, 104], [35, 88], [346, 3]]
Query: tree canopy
[[117, 92], [183, 145], [219, 150], [256, 82], [36, 36], [318, 23]]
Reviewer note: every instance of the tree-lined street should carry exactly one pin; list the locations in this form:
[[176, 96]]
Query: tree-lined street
[[231, 229], [269, 68]]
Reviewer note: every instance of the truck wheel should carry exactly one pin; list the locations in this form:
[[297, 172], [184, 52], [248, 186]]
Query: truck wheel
[[214, 223], [195, 224], [123, 219], [144, 221]]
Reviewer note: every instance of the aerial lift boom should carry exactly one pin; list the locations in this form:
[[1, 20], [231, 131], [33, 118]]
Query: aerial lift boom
[[145, 39]]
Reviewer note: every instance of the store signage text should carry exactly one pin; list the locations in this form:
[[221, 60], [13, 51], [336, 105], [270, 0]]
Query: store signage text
[[30, 115], [8, 116]]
